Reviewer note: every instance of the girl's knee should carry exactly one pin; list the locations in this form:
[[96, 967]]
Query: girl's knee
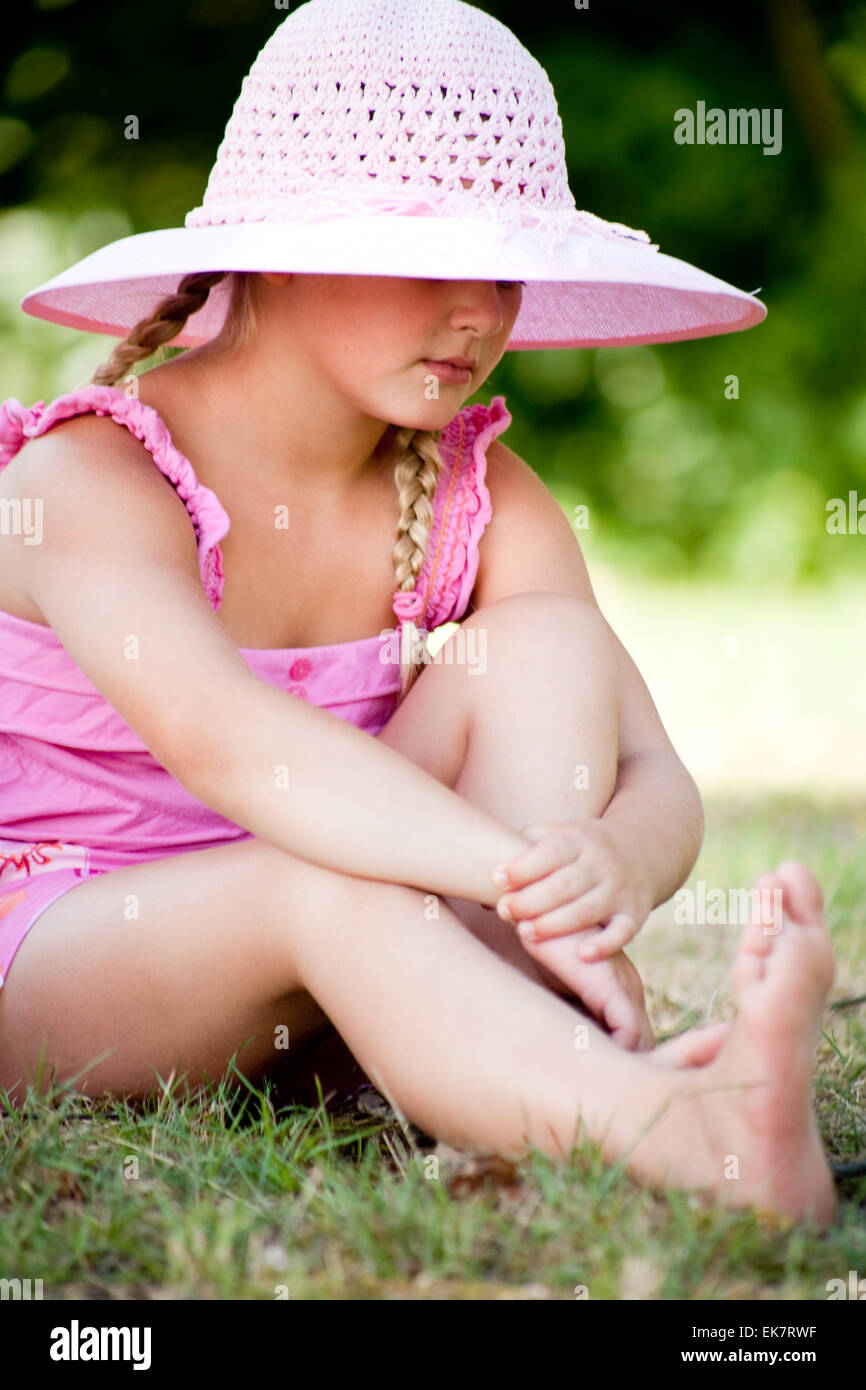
[[541, 610], [545, 626]]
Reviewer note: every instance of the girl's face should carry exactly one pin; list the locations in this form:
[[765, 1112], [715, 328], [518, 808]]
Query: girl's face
[[368, 336]]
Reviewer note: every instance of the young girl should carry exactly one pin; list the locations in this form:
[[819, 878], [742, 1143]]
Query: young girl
[[284, 823]]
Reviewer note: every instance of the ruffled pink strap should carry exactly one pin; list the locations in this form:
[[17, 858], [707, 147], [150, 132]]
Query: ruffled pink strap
[[461, 511], [17, 423], [208, 517]]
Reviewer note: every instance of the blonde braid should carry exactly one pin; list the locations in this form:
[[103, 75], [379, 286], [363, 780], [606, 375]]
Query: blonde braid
[[168, 318], [416, 473]]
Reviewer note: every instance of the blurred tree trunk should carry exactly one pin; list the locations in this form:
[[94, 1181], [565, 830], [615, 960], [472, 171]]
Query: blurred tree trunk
[[799, 50]]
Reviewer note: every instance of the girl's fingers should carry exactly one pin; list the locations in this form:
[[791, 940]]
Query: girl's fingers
[[540, 859], [580, 916], [609, 939], [559, 888]]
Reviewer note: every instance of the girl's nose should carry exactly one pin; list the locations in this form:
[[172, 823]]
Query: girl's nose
[[478, 305]]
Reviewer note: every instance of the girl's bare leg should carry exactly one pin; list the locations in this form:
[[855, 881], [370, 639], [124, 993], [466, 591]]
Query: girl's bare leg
[[541, 731], [240, 940]]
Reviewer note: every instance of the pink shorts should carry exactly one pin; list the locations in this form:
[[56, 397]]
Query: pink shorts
[[33, 875]]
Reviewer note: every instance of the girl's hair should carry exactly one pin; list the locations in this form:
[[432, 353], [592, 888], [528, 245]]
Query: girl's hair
[[417, 456]]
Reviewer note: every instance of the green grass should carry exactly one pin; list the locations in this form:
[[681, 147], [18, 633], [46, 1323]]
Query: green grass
[[233, 1199]]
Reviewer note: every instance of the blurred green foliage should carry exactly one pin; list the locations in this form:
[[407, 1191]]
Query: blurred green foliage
[[678, 478]]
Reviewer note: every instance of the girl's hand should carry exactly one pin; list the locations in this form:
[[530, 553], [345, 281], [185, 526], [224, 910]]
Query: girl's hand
[[577, 876]]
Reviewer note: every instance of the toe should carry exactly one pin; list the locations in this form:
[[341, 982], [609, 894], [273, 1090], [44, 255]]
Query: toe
[[803, 897], [754, 944], [748, 967], [695, 1048], [766, 909]]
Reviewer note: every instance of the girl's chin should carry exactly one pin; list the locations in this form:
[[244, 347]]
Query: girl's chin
[[430, 413]]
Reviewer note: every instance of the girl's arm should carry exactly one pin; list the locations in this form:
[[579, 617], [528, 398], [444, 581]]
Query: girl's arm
[[117, 578], [346, 800], [664, 845], [530, 546]]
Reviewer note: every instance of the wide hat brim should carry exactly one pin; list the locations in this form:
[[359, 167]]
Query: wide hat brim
[[593, 291]]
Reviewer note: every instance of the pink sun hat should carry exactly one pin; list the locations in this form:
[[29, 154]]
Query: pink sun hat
[[411, 138]]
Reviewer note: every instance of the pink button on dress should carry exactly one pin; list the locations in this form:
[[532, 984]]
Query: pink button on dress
[[80, 793]]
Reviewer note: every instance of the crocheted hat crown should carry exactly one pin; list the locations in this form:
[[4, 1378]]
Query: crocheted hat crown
[[401, 138], [356, 104]]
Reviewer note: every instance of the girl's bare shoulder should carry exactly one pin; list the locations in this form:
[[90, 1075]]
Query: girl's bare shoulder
[[88, 461], [88, 481], [529, 543]]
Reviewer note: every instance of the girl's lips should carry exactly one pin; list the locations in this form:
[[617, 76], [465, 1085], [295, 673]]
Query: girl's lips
[[448, 372]]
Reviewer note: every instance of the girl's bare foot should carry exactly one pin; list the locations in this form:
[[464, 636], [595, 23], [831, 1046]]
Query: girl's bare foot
[[761, 1142]]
